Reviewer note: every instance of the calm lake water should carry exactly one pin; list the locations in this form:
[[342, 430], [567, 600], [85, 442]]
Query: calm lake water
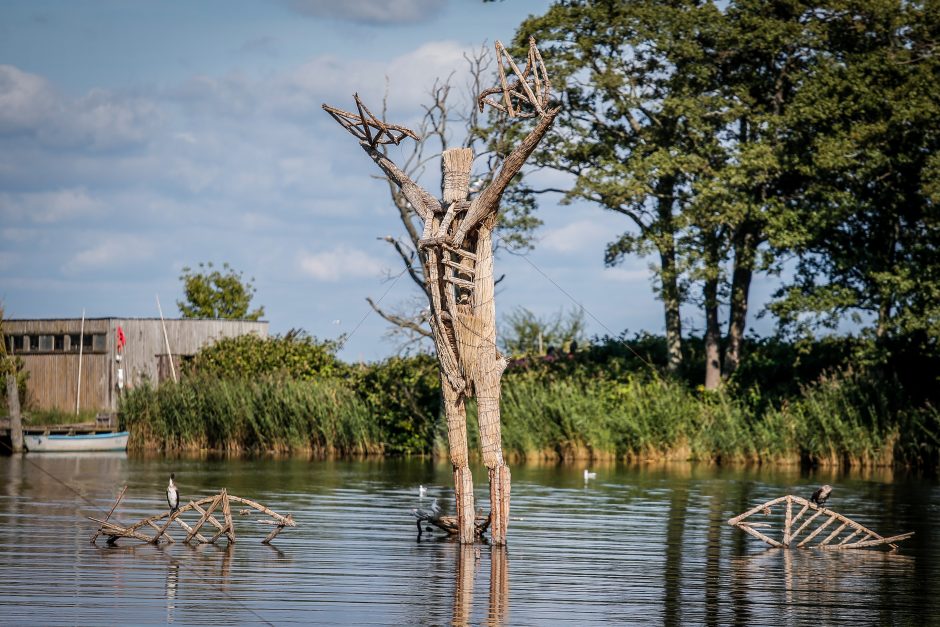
[[637, 545]]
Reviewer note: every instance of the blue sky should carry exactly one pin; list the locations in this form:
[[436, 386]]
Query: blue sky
[[138, 137]]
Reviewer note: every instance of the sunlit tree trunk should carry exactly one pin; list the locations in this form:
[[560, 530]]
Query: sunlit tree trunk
[[712, 330], [745, 252]]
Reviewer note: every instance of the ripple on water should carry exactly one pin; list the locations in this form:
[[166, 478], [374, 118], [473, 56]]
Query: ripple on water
[[634, 546]]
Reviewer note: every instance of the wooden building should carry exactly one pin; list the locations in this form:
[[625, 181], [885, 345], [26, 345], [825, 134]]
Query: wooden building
[[53, 349]]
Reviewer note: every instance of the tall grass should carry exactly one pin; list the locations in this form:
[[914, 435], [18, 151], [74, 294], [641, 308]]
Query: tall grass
[[838, 420], [268, 414]]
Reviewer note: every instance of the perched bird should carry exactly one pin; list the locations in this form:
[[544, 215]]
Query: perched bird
[[821, 495], [422, 515], [589, 475], [172, 494]]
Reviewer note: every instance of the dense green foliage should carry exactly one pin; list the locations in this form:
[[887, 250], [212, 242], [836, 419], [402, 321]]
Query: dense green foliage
[[523, 332], [735, 135], [403, 398], [294, 355], [787, 403], [267, 414], [209, 293]]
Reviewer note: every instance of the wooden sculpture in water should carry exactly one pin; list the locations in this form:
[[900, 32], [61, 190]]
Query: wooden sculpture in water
[[457, 258], [856, 536]]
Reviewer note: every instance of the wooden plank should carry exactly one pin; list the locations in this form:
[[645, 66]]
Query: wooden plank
[[771, 503], [876, 542], [757, 534], [805, 525], [846, 539], [182, 523], [205, 515], [111, 511], [212, 519], [788, 521], [819, 529], [227, 513], [173, 515], [832, 535], [272, 535], [160, 532]]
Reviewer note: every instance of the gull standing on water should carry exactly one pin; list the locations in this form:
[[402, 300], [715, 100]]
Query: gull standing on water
[[172, 494], [422, 491], [589, 475]]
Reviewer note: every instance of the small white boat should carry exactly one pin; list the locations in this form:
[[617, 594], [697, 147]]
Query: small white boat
[[76, 443]]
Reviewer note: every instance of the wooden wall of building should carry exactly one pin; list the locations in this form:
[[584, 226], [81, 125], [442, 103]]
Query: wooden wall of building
[[53, 374]]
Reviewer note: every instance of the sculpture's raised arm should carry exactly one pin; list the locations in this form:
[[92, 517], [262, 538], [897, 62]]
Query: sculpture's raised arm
[[371, 131], [515, 96]]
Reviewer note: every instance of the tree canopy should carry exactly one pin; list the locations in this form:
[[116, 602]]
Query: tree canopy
[[736, 136], [210, 293]]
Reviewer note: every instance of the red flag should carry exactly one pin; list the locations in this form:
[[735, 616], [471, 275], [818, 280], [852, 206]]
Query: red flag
[[121, 341]]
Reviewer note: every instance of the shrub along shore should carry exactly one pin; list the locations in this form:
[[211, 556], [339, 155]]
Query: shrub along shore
[[597, 404]]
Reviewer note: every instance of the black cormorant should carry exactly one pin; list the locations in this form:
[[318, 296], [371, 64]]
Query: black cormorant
[[821, 495], [172, 494]]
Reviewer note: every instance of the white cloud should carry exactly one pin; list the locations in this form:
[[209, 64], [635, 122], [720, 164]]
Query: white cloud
[[50, 207], [626, 275], [113, 250], [333, 79], [339, 263], [583, 235], [25, 100], [370, 11], [99, 120]]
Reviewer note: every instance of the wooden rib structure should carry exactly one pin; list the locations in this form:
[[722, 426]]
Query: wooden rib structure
[[206, 508], [847, 534]]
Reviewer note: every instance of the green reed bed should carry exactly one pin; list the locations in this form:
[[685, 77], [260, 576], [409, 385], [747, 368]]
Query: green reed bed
[[845, 419], [836, 421], [269, 414]]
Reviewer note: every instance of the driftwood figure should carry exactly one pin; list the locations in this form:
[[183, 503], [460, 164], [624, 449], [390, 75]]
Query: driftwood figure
[[855, 537], [204, 508], [457, 254]]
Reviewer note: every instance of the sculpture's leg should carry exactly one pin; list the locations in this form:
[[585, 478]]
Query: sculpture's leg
[[490, 440], [456, 413], [487, 373]]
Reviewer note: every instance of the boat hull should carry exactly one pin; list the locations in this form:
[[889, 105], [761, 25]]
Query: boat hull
[[76, 443]]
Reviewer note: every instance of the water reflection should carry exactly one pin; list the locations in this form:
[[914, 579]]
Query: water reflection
[[465, 577], [639, 545], [172, 579], [826, 586]]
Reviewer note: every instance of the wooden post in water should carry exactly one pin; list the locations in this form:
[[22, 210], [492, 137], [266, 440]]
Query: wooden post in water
[[13, 408], [457, 249]]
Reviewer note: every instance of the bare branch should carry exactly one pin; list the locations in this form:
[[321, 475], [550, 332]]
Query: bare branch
[[408, 258], [398, 321]]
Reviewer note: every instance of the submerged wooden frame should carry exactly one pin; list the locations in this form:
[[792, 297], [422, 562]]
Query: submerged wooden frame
[[869, 539], [205, 507]]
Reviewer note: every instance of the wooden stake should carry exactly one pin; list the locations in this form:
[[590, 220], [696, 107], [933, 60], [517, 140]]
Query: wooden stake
[[81, 346], [111, 511], [166, 338]]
